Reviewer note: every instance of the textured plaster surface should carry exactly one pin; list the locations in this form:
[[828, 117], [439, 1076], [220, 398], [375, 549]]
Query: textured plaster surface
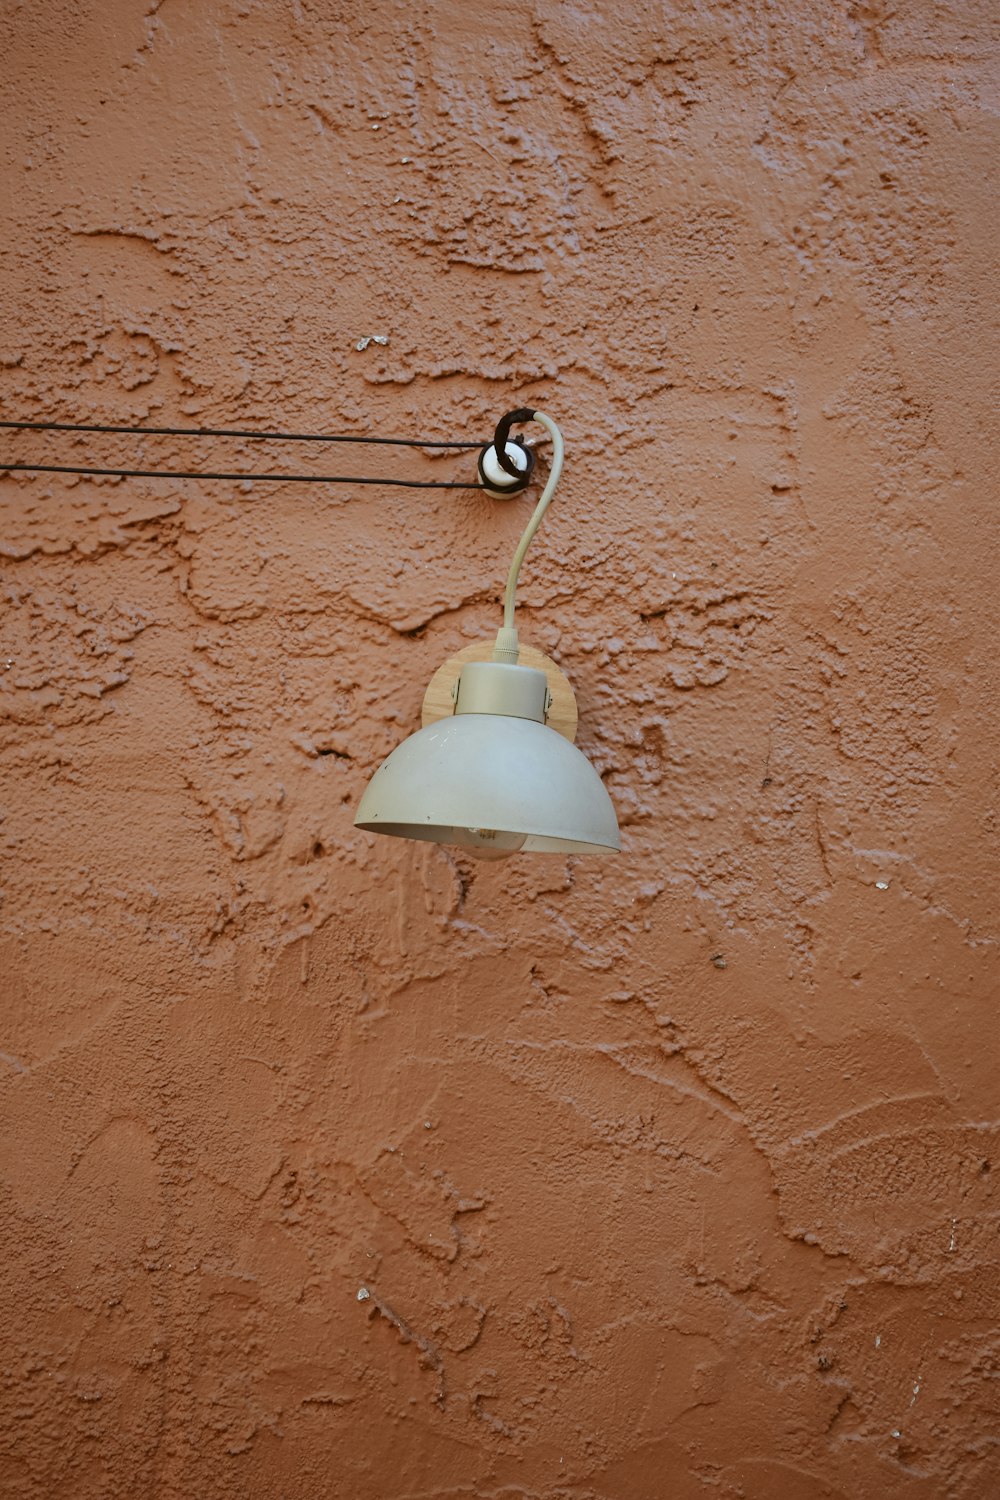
[[336, 1167]]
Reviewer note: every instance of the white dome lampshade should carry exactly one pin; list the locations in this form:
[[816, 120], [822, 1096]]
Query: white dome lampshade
[[493, 777]]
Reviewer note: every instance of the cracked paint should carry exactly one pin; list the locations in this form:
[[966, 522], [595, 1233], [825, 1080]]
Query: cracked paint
[[337, 1166]]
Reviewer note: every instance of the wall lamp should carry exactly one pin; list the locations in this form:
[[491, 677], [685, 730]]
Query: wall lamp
[[494, 769]]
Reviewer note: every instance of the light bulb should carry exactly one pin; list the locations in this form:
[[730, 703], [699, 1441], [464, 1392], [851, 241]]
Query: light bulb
[[489, 844]]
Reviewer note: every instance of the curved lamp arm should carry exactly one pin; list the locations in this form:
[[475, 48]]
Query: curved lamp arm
[[506, 648]]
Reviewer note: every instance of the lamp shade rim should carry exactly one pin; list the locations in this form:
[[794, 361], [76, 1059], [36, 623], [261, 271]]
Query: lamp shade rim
[[438, 833]]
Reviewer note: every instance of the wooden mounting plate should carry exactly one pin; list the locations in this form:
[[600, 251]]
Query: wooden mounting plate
[[438, 703]]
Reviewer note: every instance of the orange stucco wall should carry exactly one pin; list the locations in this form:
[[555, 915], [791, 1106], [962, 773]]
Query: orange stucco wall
[[338, 1167]]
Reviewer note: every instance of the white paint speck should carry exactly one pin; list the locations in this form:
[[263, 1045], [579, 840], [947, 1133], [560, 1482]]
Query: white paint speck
[[878, 1340], [895, 1432], [951, 1244], [363, 1294], [881, 885]]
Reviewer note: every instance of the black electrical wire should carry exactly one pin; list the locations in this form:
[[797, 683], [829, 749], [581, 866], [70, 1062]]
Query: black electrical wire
[[498, 441], [408, 484], [281, 437]]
